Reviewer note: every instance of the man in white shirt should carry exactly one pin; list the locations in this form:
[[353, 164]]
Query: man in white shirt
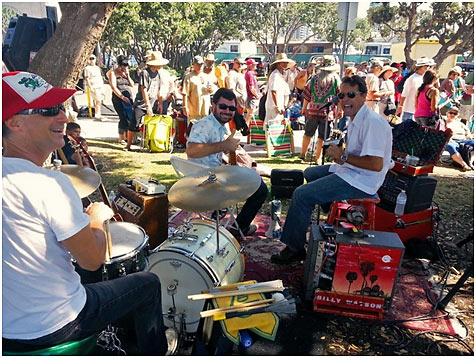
[[373, 84], [358, 171], [237, 83], [44, 227], [95, 83], [407, 101]]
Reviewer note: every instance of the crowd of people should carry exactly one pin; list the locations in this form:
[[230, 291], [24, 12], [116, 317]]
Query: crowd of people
[[44, 301]]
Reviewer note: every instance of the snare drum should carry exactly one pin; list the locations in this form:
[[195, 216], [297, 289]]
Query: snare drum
[[189, 263], [129, 250]]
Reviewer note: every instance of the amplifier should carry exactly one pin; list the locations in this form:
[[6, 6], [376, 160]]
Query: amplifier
[[285, 181], [148, 211], [352, 273], [419, 189]]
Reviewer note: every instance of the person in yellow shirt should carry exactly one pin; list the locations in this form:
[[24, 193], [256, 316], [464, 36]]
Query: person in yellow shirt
[[221, 72], [195, 92]]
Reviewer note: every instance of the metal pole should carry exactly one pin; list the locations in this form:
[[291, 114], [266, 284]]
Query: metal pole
[[344, 42]]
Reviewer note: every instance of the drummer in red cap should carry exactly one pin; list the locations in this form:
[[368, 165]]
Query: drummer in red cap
[[44, 227]]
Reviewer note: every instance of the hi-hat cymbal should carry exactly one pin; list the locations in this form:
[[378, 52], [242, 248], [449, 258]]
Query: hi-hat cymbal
[[85, 180], [233, 184]]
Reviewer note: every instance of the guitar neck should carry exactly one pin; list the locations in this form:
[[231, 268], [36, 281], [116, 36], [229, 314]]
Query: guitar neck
[[102, 189]]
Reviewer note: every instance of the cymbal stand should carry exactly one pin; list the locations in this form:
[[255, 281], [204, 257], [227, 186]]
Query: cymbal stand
[[218, 231]]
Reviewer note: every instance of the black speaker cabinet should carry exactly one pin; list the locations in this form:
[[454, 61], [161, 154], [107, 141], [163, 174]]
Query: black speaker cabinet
[[285, 181]]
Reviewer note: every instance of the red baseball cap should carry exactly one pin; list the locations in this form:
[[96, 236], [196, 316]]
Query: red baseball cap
[[25, 90], [250, 62]]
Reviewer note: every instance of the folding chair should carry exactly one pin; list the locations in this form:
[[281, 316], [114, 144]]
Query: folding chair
[[184, 167]]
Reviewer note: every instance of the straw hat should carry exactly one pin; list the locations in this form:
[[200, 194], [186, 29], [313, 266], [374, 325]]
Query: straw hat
[[210, 57], [282, 57], [328, 63], [385, 69], [156, 59]]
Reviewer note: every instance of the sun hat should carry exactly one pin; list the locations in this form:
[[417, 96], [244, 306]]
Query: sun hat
[[250, 62], [453, 108], [387, 68], [156, 59], [25, 90], [92, 56], [457, 69], [424, 61], [210, 57], [328, 63], [282, 57], [197, 60]]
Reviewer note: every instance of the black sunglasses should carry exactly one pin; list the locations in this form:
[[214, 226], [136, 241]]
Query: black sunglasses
[[45, 112], [224, 106], [455, 113], [350, 94]]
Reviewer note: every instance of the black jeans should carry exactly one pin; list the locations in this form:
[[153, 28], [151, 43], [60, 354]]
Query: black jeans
[[124, 118], [252, 206], [135, 298]]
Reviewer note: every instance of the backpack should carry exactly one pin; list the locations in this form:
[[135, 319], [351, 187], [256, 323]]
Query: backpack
[[262, 107], [399, 87]]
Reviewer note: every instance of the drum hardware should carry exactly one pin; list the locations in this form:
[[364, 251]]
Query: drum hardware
[[196, 265], [230, 265]]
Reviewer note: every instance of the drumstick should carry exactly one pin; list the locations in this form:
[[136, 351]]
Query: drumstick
[[234, 308], [108, 241]]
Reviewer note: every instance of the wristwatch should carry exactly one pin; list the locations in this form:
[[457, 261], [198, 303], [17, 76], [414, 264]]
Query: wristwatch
[[343, 157]]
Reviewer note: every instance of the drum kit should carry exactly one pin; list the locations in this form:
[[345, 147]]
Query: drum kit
[[198, 255]]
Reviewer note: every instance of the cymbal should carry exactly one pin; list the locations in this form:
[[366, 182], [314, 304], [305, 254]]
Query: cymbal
[[199, 192], [85, 180]]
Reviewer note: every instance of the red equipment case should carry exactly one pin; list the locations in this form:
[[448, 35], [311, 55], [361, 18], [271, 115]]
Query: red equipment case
[[417, 225], [352, 276], [426, 143]]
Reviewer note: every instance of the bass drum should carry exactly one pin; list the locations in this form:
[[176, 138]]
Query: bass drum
[[188, 264]]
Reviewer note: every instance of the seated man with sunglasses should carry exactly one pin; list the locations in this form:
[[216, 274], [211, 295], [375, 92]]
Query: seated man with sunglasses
[[44, 227], [207, 143], [358, 172]]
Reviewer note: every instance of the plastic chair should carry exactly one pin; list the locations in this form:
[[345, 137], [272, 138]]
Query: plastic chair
[[82, 347], [184, 167]]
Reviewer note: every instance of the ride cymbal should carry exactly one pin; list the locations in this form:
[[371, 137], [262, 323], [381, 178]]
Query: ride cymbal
[[85, 180], [214, 188]]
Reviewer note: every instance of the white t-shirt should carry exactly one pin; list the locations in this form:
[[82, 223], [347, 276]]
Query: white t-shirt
[[367, 134], [164, 84], [95, 76], [409, 92], [238, 86], [276, 83], [41, 292]]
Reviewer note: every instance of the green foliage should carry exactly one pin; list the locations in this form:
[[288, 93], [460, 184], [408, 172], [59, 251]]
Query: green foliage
[[179, 29], [264, 22], [452, 23]]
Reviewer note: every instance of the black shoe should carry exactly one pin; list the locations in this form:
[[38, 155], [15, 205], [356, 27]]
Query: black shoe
[[287, 256], [246, 232]]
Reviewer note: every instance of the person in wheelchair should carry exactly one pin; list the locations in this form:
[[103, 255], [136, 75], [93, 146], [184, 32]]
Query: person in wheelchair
[[358, 172], [206, 144], [460, 138], [44, 303]]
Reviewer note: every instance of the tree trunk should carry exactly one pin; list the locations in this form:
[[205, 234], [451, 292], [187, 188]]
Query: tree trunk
[[62, 59]]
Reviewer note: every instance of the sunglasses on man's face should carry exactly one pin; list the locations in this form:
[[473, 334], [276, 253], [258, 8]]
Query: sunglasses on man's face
[[224, 106], [45, 112], [453, 113], [350, 94]]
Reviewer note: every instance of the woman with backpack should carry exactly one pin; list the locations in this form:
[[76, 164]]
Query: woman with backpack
[[426, 100]]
